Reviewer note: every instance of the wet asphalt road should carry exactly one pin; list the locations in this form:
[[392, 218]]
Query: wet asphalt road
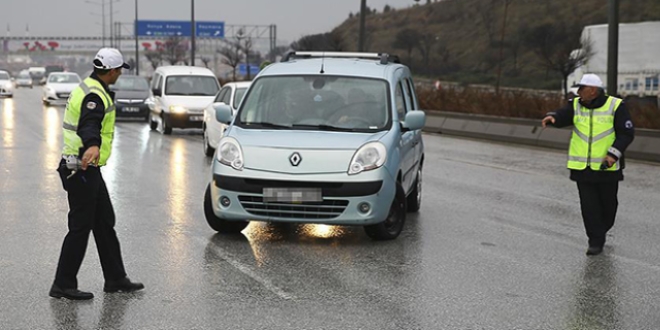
[[498, 244]]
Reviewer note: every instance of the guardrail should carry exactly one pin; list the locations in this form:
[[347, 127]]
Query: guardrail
[[646, 145]]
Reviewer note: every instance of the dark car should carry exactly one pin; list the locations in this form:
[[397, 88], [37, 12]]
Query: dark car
[[130, 94]]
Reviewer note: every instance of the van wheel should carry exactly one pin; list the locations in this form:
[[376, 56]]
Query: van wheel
[[220, 225], [153, 125], [46, 103], [167, 129], [414, 200], [208, 150], [393, 224]]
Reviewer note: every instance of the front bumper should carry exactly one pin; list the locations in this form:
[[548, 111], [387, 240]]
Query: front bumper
[[342, 196], [6, 91], [54, 96], [185, 120], [131, 110]]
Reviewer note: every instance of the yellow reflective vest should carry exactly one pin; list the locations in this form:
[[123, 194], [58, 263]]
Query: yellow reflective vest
[[73, 142], [593, 134]]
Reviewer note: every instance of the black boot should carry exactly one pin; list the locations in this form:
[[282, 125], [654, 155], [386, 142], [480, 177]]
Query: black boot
[[123, 285], [73, 294], [594, 250]]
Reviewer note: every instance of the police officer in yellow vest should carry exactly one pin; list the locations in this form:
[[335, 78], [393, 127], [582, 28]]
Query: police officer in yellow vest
[[88, 130], [602, 130]]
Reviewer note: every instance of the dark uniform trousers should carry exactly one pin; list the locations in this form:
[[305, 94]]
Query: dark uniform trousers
[[90, 209], [599, 203]]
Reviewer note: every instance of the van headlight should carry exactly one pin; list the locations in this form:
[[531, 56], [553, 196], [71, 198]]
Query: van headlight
[[369, 157], [178, 109], [229, 153]]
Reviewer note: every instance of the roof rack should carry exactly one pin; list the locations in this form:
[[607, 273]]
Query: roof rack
[[384, 58]]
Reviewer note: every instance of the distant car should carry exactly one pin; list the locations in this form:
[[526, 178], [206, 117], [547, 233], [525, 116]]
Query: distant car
[[322, 137], [130, 93], [38, 74], [180, 94], [6, 85], [58, 87], [231, 94], [23, 80]]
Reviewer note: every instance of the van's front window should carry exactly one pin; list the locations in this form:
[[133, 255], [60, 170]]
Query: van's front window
[[316, 102], [191, 86]]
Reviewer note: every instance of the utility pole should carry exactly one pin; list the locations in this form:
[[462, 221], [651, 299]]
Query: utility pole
[[192, 26], [363, 13], [137, 49], [613, 48]]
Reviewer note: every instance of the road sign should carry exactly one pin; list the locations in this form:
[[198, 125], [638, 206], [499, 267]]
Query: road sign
[[164, 28], [210, 29], [242, 69]]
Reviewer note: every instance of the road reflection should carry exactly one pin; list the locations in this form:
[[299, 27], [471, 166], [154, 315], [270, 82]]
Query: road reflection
[[596, 305], [8, 123]]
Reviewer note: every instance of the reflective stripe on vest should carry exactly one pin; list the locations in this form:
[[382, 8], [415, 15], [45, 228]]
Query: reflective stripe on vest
[[593, 134], [72, 142]]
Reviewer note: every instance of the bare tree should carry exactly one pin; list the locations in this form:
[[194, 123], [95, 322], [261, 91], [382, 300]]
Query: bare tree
[[246, 47], [231, 55], [500, 56], [330, 41], [155, 57], [206, 61], [407, 39], [559, 48], [486, 12], [426, 42], [175, 50]]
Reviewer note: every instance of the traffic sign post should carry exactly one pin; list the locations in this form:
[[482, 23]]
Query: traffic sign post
[[180, 29], [210, 29], [164, 28]]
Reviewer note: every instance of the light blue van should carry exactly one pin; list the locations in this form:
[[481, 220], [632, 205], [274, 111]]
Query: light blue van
[[326, 138]]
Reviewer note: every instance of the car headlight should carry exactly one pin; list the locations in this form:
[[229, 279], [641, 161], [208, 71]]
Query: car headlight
[[229, 153], [369, 157], [178, 109]]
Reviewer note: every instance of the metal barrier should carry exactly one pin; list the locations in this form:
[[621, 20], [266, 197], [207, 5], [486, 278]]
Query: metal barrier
[[646, 145]]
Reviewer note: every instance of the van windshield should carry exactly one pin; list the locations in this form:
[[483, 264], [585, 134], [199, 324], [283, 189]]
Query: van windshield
[[191, 85], [317, 103]]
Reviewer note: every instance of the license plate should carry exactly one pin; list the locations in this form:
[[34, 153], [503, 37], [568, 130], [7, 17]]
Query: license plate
[[292, 195], [130, 109], [196, 118]]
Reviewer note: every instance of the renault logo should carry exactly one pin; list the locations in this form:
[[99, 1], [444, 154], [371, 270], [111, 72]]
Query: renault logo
[[295, 159]]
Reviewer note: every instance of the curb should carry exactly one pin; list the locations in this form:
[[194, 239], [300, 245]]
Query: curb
[[646, 145]]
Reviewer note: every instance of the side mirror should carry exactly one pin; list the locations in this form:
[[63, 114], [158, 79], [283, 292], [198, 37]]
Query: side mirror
[[415, 120], [223, 113], [157, 92]]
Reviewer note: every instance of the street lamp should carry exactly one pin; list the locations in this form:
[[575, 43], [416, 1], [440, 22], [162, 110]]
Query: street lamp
[[102, 4], [137, 49]]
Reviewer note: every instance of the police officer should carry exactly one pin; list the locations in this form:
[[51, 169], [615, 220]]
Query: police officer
[[602, 131], [89, 124]]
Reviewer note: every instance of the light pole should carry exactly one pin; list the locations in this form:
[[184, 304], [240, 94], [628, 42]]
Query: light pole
[[137, 49], [613, 48], [192, 35], [102, 3]]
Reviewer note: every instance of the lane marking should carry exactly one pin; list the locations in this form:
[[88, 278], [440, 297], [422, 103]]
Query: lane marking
[[247, 270]]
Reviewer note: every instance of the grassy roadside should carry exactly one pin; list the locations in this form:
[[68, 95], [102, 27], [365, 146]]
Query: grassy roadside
[[515, 103]]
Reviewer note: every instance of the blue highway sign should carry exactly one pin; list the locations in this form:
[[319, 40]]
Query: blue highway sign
[[210, 29], [164, 28]]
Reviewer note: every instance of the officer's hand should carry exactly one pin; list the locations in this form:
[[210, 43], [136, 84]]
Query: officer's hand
[[91, 156], [546, 120], [610, 161]]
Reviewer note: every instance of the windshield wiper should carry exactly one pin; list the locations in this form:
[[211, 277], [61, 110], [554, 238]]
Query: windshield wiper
[[323, 127], [266, 125]]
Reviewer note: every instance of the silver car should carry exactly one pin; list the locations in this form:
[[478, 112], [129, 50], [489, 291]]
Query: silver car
[[326, 138]]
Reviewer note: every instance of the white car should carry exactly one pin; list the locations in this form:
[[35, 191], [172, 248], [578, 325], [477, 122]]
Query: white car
[[58, 87], [23, 80], [180, 94], [231, 94], [6, 85]]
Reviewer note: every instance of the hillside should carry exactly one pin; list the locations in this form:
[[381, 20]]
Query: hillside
[[463, 37]]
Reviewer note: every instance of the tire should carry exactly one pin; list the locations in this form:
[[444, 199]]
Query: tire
[[46, 103], [208, 150], [167, 129], [147, 118], [414, 200], [393, 224], [220, 225], [153, 125]]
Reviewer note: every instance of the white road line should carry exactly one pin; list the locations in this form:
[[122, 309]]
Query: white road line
[[247, 270]]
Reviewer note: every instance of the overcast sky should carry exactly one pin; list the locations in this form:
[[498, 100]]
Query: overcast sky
[[294, 18]]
